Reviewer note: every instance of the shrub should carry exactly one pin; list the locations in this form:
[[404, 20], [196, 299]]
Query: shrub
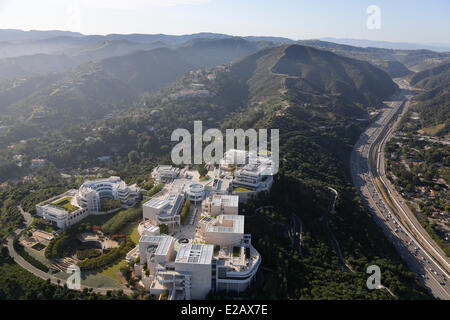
[[109, 258], [88, 254], [21, 250], [155, 189], [120, 220], [163, 229], [185, 211]]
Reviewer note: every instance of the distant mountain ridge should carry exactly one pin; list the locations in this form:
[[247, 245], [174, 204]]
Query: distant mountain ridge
[[17, 42], [397, 63], [389, 45], [94, 87]]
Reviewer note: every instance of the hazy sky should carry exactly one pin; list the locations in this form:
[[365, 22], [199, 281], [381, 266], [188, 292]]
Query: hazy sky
[[405, 21]]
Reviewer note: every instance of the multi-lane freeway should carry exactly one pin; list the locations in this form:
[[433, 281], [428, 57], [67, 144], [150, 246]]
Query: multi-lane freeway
[[388, 209]]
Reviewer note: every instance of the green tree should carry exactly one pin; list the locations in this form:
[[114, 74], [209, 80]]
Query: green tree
[[133, 156]]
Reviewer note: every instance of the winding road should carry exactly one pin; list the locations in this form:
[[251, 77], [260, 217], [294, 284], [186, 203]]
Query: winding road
[[37, 272]]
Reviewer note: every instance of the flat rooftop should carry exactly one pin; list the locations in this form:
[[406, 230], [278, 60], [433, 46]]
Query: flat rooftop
[[166, 169], [53, 209], [257, 169], [162, 242], [169, 202], [195, 254], [156, 203], [228, 224], [225, 200]]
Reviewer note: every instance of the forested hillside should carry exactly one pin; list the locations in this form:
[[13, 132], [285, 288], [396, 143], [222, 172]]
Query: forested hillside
[[316, 99], [432, 103]]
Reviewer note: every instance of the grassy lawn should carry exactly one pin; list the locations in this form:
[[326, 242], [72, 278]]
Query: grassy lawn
[[38, 246], [95, 280], [131, 230], [38, 255], [65, 203], [135, 236], [41, 224], [240, 189], [434, 130], [99, 220], [113, 271]]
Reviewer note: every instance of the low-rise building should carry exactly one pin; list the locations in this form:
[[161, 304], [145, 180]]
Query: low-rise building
[[74, 205], [218, 204], [164, 209], [226, 262], [62, 210], [255, 177], [225, 230], [36, 163], [91, 192], [165, 173]]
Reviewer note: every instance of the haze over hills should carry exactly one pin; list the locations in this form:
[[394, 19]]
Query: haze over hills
[[433, 105], [16, 35], [100, 100], [397, 63], [390, 45], [69, 78], [15, 43], [76, 87]]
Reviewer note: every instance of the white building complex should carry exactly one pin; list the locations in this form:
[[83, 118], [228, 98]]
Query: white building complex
[[228, 262], [164, 209], [211, 252], [254, 176], [74, 205], [218, 204], [165, 173], [91, 192], [196, 192], [225, 230]]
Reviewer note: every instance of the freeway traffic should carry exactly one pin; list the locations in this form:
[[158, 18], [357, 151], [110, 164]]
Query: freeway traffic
[[388, 209]]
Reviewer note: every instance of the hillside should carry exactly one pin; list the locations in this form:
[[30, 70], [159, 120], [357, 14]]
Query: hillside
[[432, 105], [324, 71], [68, 86], [432, 78], [212, 52], [321, 83], [147, 70], [14, 43], [315, 98], [397, 63], [318, 125]]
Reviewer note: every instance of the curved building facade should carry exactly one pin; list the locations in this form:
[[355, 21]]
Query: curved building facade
[[91, 192], [196, 192]]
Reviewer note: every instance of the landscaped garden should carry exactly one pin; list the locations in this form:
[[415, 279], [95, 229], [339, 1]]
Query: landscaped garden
[[65, 203]]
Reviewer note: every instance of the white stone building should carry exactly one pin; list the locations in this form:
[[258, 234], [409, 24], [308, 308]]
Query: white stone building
[[74, 205]]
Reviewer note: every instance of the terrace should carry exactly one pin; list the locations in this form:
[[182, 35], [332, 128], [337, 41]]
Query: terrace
[[66, 204], [237, 258]]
